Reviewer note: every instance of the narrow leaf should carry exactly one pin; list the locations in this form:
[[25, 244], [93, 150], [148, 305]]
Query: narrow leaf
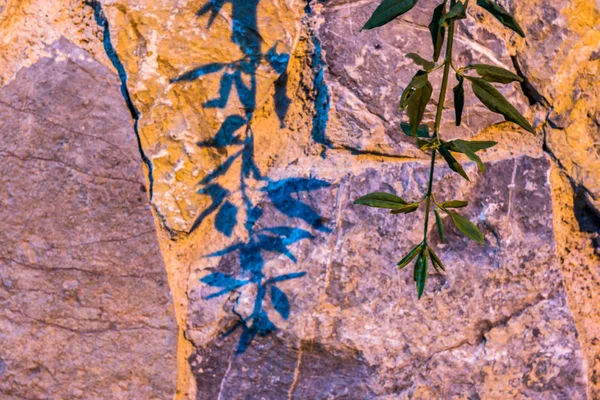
[[452, 163], [466, 150], [440, 226], [456, 12], [491, 73], [417, 59], [437, 269], [416, 268], [437, 30], [454, 204], [459, 99], [474, 145], [501, 15], [467, 228], [387, 11], [381, 200], [422, 130], [435, 259], [421, 272], [405, 209], [417, 105], [493, 100], [409, 257]]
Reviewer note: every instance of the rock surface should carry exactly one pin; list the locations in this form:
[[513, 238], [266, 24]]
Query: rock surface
[[506, 328], [86, 308], [259, 123]]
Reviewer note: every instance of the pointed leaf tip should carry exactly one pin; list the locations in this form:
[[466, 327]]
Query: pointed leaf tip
[[452, 163], [437, 263], [405, 209], [381, 200], [495, 102], [492, 73], [454, 204], [440, 226], [387, 11], [467, 228], [421, 272], [437, 30], [459, 99], [409, 257], [501, 15]]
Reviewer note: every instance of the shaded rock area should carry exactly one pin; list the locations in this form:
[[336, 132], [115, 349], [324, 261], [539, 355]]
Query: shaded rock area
[[86, 308], [275, 369], [260, 121]]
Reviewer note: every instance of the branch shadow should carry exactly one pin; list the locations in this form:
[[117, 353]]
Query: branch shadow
[[283, 195]]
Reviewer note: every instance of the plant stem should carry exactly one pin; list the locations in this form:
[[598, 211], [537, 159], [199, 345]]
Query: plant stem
[[429, 194], [438, 117]]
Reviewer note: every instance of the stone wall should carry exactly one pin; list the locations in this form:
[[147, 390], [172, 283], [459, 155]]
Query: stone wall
[[218, 146]]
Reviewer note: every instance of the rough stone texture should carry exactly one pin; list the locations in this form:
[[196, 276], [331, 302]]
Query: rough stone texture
[[577, 229], [261, 121], [86, 308], [564, 84], [175, 115], [30, 27], [255, 167], [497, 324]]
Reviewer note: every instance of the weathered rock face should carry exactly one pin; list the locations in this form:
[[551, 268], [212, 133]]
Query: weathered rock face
[[259, 123], [86, 308], [506, 328], [565, 87]]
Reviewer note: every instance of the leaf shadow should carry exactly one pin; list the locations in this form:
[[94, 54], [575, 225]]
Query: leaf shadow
[[290, 197]]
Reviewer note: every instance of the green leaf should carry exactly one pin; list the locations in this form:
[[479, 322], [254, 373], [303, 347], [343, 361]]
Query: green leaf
[[422, 130], [421, 272], [417, 59], [405, 209], [456, 12], [437, 30], [440, 226], [464, 148], [467, 228], [491, 73], [435, 259], [452, 163], [387, 11], [501, 15], [495, 102], [459, 99], [417, 82], [416, 268], [416, 106], [454, 204], [409, 257], [381, 200], [474, 145]]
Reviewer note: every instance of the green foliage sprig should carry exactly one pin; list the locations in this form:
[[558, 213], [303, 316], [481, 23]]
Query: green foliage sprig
[[414, 100]]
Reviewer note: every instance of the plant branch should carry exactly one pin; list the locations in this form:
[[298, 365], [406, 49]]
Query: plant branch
[[438, 117]]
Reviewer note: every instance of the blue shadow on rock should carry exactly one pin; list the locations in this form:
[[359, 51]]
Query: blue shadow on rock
[[284, 195]]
